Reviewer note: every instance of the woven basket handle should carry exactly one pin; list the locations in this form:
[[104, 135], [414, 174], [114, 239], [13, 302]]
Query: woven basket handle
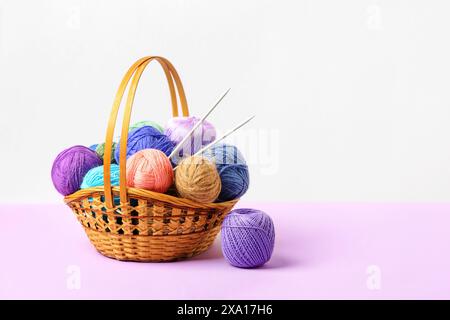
[[137, 69]]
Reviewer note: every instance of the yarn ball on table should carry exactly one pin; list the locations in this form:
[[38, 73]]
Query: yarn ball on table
[[232, 168], [178, 127], [149, 169], [70, 167], [248, 238], [100, 149], [197, 179], [95, 177], [145, 137], [150, 123]]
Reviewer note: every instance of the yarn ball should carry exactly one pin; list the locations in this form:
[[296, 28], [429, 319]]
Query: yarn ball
[[248, 238], [232, 168], [178, 127], [141, 124], [145, 137], [149, 169], [100, 149], [95, 178], [197, 179], [70, 166], [93, 147]]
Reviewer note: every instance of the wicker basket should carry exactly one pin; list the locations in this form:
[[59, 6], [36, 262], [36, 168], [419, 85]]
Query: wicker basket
[[139, 225]]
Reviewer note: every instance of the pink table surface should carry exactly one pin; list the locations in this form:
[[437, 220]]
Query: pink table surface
[[321, 251]]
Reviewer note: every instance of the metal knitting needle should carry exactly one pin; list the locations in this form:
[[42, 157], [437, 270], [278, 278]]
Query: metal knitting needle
[[223, 137], [177, 148], [218, 140]]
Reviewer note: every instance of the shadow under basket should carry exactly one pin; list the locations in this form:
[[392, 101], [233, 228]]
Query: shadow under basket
[[151, 227]]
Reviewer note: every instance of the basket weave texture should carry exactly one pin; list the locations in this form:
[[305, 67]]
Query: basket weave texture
[[139, 225]]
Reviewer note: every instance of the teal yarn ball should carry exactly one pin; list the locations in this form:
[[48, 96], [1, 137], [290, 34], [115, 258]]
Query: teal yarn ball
[[232, 168], [100, 150], [95, 178], [150, 123]]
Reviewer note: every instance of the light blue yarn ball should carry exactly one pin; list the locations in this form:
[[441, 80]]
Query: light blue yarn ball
[[232, 168], [95, 178]]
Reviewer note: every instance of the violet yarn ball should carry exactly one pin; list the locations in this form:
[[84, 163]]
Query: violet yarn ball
[[70, 167], [178, 127], [232, 168], [248, 238], [145, 137]]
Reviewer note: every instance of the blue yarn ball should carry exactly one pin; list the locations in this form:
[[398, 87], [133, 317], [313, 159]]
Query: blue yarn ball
[[145, 137], [248, 238], [95, 178], [93, 147], [232, 168]]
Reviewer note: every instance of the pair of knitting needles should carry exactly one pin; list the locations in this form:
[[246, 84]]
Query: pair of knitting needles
[[177, 148]]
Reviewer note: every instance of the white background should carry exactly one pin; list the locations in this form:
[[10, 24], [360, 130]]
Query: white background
[[351, 97]]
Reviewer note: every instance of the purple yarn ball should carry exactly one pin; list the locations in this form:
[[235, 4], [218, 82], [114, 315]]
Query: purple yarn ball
[[178, 127], [145, 137], [248, 238], [70, 166]]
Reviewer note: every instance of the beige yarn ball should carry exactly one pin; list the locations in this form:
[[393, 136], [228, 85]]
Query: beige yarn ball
[[197, 179]]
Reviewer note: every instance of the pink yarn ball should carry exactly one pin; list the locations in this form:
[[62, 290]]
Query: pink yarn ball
[[149, 169], [178, 127]]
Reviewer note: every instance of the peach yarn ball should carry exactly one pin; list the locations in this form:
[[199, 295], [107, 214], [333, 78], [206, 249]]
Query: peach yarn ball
[[149, 169], [197, 179]]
